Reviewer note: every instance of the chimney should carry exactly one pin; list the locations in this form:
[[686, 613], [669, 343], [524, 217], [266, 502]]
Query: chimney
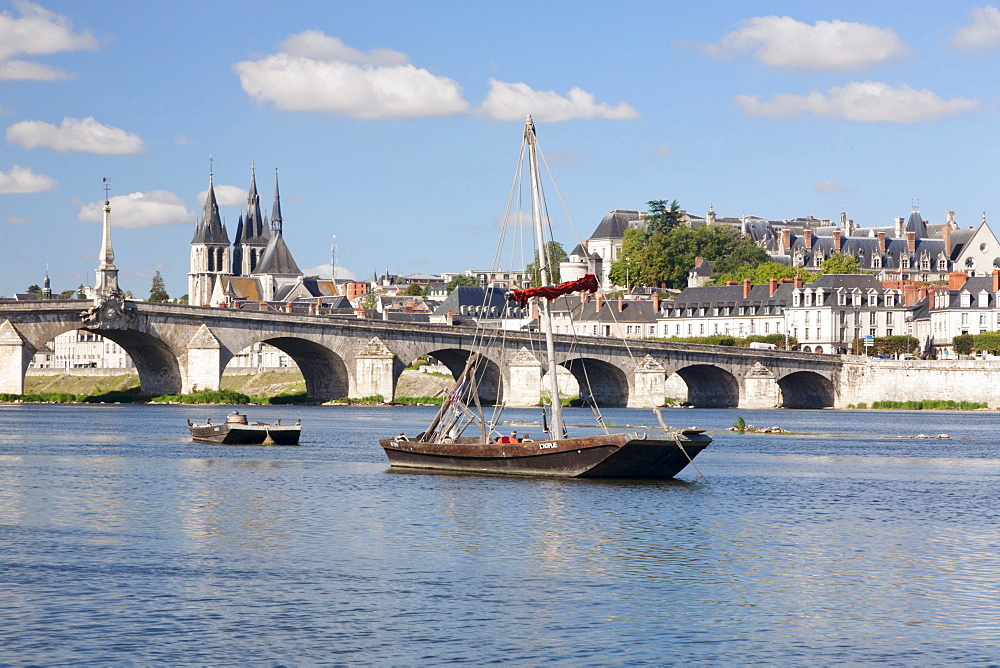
[[911, 294], [772, 286], [836, 240], [731, 283], [785, 280], [597, 303], [747, 284], [946, 236], [786, 241], [360, 313], [996, 280], [956, 280], [951, 219], [798, 280], [698, 261], [899, 228], [621, 304], [911, 241], [881, 241], [656, 302], [809, 238]]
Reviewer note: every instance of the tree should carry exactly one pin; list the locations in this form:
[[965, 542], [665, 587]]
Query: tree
[[157, 291], [746, 252], [556, 254], [81, 292], [665, 258], [34, 290], [662, 217], [67, 294], [841, 263], [762, 272], [414, 290], [461, 279]]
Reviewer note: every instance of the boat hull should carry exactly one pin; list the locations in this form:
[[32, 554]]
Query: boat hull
[[633, 456], [246, 434]]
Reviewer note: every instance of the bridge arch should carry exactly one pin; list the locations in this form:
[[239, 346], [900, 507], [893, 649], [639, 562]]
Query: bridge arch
[[608, 384], [488, 378], [709, 386], [323, 369], [156, 363], [806, 389]]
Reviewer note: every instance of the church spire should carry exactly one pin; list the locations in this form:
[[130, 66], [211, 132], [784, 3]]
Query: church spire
[[276, 209]]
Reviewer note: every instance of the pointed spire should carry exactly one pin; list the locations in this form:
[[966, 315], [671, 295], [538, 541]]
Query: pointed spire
[[276, 209], [107, 273]]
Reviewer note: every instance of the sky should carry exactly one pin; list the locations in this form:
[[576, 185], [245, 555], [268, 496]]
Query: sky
[[394, 127]]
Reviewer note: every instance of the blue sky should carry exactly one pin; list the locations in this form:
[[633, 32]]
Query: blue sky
[[396, 125]]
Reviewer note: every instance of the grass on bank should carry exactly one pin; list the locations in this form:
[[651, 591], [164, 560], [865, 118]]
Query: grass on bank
[[929, 405]]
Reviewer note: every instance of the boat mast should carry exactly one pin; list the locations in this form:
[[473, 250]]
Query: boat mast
[[557, 430]]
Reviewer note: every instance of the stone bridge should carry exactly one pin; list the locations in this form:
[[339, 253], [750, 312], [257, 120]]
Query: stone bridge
[[179, 348]]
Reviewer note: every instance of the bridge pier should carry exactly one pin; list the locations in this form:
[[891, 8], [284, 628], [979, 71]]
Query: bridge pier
[[525, 380], [649, 384], [373, 372], [760, 389], [15, 355], [204, 362]]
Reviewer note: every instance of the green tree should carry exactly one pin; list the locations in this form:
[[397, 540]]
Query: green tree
[[762, 272], [34, 290], [662, 217], [158, 291], [556, 254], [746, 252], [183, 299], [841, 263], [664, 259], [963, 344], [414, 290], [81, 292], [67, 294], [461, 279]]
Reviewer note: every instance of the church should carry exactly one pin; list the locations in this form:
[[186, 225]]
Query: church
[[257, 266]]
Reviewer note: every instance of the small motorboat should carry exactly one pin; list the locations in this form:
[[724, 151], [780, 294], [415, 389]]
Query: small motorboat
[[237, 430]]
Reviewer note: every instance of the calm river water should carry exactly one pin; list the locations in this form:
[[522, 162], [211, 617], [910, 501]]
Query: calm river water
[[123, 542]]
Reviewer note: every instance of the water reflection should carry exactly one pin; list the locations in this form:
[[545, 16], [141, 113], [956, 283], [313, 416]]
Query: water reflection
[[122, 542]]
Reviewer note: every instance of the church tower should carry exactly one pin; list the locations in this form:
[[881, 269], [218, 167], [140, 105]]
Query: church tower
[[277, 267], [209, 252], [252, 234]]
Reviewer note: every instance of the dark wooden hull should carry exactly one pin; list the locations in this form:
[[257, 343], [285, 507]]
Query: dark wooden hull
[[246, 434], [611, 456]]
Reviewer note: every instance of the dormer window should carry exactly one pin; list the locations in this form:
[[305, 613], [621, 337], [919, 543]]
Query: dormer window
[[966, 300], [796, 300], [942, 264], [876, 262], [841, 299], [872, 299], [856, 299], [890, 299], [984, 299], [809, 299]]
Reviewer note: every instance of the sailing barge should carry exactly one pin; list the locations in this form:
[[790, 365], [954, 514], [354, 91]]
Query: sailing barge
[[445, 447]]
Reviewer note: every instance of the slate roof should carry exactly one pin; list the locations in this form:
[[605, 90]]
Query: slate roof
[[277, 258], [210, 229], [472, 297], [614, 224]]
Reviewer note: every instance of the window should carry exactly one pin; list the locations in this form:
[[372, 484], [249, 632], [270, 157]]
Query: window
[[805, 334], [888, 318], [876, 262], [890, 300], [809, 299], [905, 262], [841, 299], [689, 329], [871, 332], [942, 264], [871, 317], [984, 299], [767, 327], [965, 319], [982, 321], [966, 300], [856, 299], [796, 300], [970, 263], [925, 263], [701, 329]]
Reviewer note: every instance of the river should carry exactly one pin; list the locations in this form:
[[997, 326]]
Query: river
[[121, 542]]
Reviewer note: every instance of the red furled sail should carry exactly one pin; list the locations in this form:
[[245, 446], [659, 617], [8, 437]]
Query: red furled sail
[[586, 284]]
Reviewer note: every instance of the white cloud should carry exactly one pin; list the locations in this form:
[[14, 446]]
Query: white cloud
[[982, 33], [85, 135], [863, 101], [828, 186], [225, 195], [514, 101], [315, 45], [318, 73], [781, 41], [18, 220], [138, 209], [323, 271], [37, 32], [21, 180]]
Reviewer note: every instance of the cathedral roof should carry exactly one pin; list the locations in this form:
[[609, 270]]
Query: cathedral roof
[[614, 224], [277, 258], [210, 229]]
